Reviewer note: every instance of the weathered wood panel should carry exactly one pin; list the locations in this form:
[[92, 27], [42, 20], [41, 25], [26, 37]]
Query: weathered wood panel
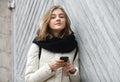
[[97, 30]]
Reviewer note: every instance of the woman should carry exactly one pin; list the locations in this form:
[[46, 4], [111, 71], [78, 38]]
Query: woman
[[55, 39]]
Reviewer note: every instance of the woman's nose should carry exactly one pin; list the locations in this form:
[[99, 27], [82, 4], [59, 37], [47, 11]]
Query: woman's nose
[[57, 18]]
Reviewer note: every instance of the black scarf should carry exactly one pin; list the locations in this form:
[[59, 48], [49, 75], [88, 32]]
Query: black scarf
[[58, 45]]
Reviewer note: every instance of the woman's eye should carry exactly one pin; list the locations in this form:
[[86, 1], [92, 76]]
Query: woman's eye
[[52, 17], [62, 16]]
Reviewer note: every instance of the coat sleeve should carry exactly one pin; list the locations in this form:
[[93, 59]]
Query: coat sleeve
[[32, 71], [76, 76]]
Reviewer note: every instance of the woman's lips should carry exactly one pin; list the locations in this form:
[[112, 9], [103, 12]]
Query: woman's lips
[[58, 24]]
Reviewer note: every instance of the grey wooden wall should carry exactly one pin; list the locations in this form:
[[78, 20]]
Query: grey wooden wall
[[97, 30]]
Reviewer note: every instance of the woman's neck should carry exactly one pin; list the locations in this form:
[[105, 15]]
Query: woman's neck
[[56, 34]]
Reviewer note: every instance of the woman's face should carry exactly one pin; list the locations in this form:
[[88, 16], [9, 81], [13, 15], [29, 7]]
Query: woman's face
[[57, 21]]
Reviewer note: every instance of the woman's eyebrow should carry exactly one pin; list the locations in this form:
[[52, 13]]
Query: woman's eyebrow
[[58, 14], [53, 14], [61, 14]]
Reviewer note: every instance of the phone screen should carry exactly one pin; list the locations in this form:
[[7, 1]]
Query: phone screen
[[65, 58]]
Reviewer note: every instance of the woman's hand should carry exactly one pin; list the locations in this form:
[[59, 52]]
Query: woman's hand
[[66, 66], [55, 64], [69, 68]]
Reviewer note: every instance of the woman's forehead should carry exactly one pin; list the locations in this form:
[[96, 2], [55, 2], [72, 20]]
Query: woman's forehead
[[57, 11]]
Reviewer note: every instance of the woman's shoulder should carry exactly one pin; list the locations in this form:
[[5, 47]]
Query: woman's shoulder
[[34, 46]]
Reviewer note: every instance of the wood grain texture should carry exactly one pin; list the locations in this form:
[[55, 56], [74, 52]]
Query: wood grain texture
[[96, 27]]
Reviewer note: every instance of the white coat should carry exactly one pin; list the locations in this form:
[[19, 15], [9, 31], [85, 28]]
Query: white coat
[[38, 70]]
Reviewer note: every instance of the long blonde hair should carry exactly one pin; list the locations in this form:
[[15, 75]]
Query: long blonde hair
[[44, 26]]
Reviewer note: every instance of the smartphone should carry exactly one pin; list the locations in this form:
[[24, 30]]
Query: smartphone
[[65, 58]]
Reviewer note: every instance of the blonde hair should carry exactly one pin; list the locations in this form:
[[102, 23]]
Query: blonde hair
[[44, 26]]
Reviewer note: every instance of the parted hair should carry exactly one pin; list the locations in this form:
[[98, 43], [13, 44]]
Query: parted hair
[[44, 30]]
